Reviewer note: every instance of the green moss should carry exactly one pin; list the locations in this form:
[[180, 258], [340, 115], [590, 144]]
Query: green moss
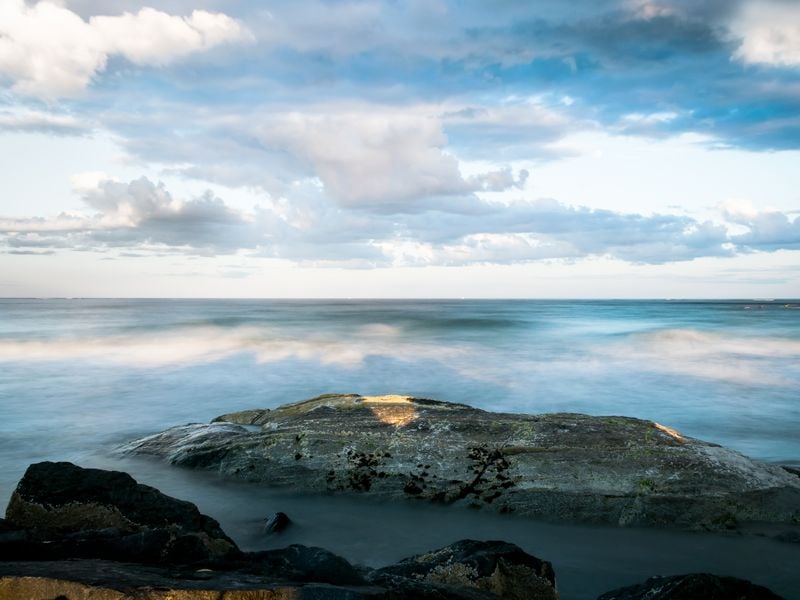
[[647, 486]]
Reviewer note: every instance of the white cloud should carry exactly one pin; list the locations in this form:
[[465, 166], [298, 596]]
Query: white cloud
[[310, 229], [770, 33], [376, 157], [24, 120], [152, 37], [647, 9], [371, 158], [87, 181], [48, 51], [766, 229], [139, 214]]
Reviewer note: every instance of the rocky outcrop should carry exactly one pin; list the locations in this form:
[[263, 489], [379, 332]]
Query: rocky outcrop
[[68, 511], [692, 587], [63, 519], [566, 467], [466, 570], [497, 567], [107, 580]]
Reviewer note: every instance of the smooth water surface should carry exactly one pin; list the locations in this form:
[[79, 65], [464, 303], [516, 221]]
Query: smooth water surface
[[77, 377]]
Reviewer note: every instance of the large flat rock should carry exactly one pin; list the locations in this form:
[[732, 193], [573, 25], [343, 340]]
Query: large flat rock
[[564, 467]]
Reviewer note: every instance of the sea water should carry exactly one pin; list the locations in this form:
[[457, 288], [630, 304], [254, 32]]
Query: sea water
[[80, 376]]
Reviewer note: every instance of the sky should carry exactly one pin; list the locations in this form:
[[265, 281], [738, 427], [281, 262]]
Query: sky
[[426, 148]]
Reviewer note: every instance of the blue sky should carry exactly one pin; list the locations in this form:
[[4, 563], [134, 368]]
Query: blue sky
[[625, 148]]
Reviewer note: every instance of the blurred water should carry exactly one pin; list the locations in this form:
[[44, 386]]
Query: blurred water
[[79, 376]]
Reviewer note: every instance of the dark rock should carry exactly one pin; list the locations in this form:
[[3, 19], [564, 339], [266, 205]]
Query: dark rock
[[276, 522], [692, 587], [11, 534], [792, 470], [64, 518], [403, 588], [496, 567], [107, 580], [69, 511], [305, 564]]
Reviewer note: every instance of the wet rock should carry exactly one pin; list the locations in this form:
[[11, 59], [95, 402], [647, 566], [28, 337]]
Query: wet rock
[[306, 564], [107, 580], [692, 587], [11, 534], [496, 567], [566, 467], [276, 522], [63, 519], [69, 511], [792, 470]]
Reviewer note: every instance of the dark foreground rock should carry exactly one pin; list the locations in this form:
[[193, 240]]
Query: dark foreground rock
[[565, 467], [692, 587], [107, 580], [67, 511], [494, 566], [64, 523]]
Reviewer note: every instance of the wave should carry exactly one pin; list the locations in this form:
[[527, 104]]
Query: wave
[[209, 344], [712, 355], [696, 342]]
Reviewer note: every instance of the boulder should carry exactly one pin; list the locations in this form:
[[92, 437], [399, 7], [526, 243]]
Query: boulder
[[692, 587], [305, 564], [276, 522], [69, 511], [560, 467], [499, 568]]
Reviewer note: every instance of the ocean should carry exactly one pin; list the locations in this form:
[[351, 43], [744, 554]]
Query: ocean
[[80, 376]]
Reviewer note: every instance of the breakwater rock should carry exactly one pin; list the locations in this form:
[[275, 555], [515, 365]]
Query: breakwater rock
[[561, 467]]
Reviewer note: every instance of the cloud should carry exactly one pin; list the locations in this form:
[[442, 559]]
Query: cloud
[[541, 229], [370, 158], [48, 51], [770, 33], [374, 157], [143, 217], [767, 229], [42, 122], [140, 214]]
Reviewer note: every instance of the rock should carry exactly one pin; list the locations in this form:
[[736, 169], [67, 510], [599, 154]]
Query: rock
[[10, 534], [692, 587], [499, 568], [107, 580], [276, 522], [792, 470], [95, 513], [305, 564], [563, 467], [62, 519]]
